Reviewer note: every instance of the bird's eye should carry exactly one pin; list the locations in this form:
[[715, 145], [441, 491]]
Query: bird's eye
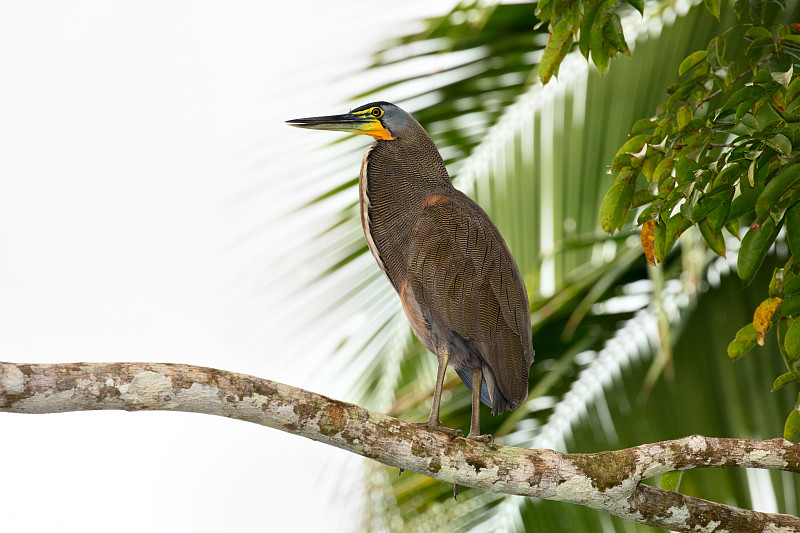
[[377, 112]]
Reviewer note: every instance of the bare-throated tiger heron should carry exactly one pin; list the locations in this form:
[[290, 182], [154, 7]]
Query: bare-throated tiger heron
[[458, 283]]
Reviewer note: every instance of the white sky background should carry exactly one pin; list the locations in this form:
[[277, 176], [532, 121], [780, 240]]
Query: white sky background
[[142, 149]]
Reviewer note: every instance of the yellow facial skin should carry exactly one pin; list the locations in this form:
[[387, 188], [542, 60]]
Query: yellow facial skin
[[371, 125], [366, 122]]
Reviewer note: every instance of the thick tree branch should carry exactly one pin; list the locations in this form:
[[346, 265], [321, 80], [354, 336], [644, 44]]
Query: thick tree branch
[[606, 481]]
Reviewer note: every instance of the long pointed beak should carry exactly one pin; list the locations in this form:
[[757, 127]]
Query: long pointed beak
[[361, 123], [347, 122]]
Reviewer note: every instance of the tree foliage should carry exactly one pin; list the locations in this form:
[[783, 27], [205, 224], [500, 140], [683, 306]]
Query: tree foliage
[[720, 154]]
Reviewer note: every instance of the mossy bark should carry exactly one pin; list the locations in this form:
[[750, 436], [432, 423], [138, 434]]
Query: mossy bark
[[608, 481]]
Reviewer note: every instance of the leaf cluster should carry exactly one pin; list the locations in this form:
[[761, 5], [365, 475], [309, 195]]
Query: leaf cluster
[[721, 153], [595, 25]]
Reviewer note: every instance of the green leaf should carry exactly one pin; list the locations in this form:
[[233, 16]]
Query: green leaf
[[642, 197], [684, 116], [638, 5], [784, 379], [755, 246], [746, 200], [676, 225], [743, 109], [742, 95], [793, 230], [790, 305], [713, 7], [758, 32], [671, 480], [586, 28], [781, 144], [716, 52], [713, 238], [711, 201], [632, 146], [557, 47], [788, 176], [643, 124], [744, 342], [793, 285], [614, 36], [728, 175], [691, 61], [615, 204], [793, 90], [791, 342], [733, 225], [792, 428], [718, 217], [599, 47], [663, 169], [649, 165]]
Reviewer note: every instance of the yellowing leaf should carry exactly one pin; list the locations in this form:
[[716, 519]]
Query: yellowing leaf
[[762, 318], [684, 116], [648, 241]]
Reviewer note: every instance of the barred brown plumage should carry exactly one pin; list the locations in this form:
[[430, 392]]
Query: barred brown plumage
[[457, 281]]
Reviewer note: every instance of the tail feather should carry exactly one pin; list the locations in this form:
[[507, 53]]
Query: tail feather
[[466, 377]]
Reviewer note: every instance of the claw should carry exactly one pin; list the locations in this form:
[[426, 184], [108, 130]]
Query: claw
[[437, 426], [481, 438], [455, 491], [400, 473]]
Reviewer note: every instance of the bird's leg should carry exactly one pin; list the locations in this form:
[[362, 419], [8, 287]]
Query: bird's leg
[[433, 420], [475, 424]]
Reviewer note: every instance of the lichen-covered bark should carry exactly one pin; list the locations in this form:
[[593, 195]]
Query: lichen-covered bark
[[606, 481]]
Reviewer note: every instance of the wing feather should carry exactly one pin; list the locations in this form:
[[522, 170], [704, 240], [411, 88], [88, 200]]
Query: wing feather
[[461, 270]]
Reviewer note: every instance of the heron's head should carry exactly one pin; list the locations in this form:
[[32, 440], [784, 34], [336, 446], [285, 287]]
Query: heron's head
[[381, 120]]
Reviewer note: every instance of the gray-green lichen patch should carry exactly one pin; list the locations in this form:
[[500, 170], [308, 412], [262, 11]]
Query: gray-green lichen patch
[[763, 457], [607, 470], [12, 383], [145, 388]]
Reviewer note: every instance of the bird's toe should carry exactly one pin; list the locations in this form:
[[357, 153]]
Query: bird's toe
[[437, 426]]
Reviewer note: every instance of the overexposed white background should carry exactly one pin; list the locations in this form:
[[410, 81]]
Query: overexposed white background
[[144, 168]]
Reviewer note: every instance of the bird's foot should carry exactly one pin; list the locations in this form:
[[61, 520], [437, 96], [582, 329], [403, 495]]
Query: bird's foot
[[480, 438], [437, 426]]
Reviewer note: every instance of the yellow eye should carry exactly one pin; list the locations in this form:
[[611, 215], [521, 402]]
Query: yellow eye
[[377, 112]]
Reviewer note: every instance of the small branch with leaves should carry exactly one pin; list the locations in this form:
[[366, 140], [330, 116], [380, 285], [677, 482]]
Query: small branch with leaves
[[610, 481]]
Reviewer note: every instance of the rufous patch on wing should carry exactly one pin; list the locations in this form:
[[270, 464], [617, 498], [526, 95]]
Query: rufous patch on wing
[[435, 199]]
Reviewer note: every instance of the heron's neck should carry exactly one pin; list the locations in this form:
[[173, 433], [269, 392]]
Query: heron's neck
[[396, 178]]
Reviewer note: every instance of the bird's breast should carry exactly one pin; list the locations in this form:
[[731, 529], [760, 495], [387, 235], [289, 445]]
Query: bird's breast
[[363, 200], [390, 197]]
